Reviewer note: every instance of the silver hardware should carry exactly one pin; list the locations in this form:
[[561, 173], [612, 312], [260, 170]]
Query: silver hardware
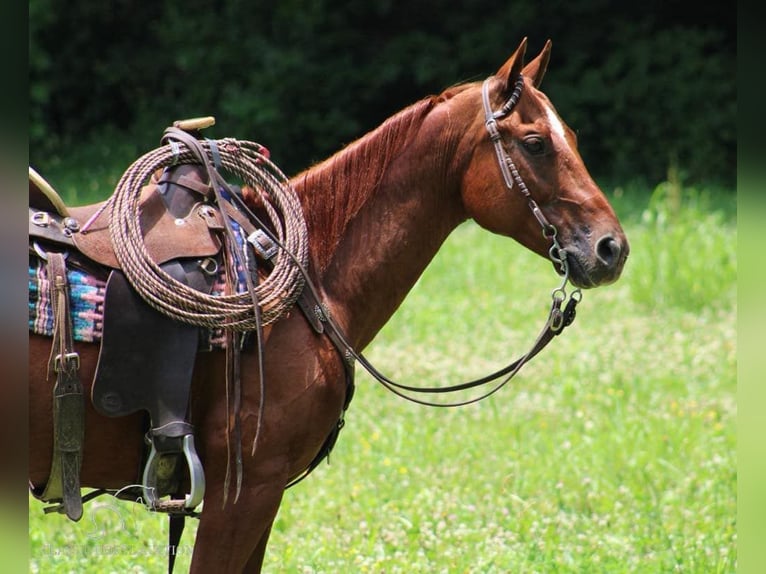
[[41, 219], [196, 475], [175, 149], [71, 224], [557, 320], [262, 244], [209, 266], [322, 313], [59, 360], [44, 254]]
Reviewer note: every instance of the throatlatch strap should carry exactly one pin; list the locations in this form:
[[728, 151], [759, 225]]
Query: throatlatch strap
[[68, 405]]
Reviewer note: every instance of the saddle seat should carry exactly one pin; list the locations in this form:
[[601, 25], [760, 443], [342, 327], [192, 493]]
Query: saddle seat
[[175, 225]]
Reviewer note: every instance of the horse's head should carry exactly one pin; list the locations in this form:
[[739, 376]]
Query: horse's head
[[526, 179]]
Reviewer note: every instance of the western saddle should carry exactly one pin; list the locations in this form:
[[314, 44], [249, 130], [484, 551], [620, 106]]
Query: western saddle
[[182, 233], [133, 371], [183, 223]]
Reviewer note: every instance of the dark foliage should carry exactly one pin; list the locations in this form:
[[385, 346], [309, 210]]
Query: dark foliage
[[645, 85]]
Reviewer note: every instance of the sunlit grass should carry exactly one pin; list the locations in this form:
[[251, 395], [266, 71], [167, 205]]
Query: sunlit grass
[[691, 252], [612, 451]]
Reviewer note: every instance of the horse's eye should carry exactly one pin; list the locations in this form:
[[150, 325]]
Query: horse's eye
[[535, 145]]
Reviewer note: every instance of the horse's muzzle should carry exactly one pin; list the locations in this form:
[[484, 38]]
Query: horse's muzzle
[[599, 264]]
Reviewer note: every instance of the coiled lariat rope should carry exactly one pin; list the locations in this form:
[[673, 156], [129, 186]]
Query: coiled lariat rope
[[233, 311]]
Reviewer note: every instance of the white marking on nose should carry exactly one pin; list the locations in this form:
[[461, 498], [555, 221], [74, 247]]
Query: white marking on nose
[[556, 126]]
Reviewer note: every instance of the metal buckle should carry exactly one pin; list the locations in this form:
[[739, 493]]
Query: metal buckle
[[59, 361], [262, 244], [556, 320], [209, 266]]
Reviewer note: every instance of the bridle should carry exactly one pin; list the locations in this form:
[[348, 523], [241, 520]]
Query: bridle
[[511, 174], [558, 318]]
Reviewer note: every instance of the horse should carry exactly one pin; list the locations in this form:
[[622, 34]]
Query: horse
[[376, 213]]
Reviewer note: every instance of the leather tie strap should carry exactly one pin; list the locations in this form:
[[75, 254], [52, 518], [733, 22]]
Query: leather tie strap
[[68, 405], [175, 530]]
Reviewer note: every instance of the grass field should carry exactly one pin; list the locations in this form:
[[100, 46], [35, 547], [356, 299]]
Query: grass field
[[613, 451]]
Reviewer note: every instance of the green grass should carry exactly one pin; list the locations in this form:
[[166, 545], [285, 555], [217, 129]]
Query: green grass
[[613, 451]]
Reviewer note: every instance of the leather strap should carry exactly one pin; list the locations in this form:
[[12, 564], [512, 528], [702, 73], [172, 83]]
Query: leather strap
[[51, 227], [231, 257], [68, 404], [175, 530]]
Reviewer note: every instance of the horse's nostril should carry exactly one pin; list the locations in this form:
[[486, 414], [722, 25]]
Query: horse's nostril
[[608, 250]]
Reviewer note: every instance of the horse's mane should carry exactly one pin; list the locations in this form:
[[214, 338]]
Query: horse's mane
[[349, 178]]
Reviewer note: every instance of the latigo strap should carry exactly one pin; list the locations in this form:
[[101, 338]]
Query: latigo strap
[[68, 404]]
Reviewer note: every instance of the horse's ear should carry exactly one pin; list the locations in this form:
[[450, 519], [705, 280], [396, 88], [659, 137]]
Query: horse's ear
[[535, 70], [512, 68]]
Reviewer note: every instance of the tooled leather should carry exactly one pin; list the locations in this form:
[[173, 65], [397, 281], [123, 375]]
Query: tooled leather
[[165, 236]]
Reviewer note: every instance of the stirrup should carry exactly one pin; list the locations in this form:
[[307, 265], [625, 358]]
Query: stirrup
[[196, 475]]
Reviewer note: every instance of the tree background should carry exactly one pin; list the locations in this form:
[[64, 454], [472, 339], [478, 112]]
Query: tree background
[[647, 86]]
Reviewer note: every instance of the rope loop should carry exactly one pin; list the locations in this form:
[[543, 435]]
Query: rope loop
[[233, 311]]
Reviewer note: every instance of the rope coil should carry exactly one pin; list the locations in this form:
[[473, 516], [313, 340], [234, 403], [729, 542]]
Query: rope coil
[[236, 312]]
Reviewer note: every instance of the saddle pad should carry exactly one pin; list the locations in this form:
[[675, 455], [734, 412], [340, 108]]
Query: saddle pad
[[86, 294], [86, 300]]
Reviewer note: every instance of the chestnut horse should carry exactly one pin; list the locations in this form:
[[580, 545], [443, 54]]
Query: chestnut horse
[[376, 214]]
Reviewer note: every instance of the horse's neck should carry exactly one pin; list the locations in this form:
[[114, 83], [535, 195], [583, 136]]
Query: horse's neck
[[378, 212]]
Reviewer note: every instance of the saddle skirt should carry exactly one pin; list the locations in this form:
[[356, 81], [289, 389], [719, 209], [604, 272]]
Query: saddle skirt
[[86, 299]]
